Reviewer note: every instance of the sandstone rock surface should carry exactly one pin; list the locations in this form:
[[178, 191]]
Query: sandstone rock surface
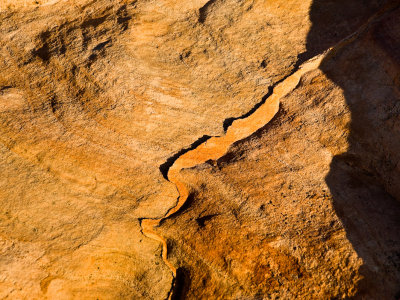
[[101, 101]]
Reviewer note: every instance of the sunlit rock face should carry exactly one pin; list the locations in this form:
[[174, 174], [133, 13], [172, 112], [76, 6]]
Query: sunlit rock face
[[101, 100]]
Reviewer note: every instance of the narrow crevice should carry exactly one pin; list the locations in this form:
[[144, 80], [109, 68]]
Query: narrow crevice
[[94, 22], [164, 168], [54, 104], [228, 121], [201, 221], [182, 284], [102, 45], [6, 87], [301, 59], [184, 207], [171, 290]]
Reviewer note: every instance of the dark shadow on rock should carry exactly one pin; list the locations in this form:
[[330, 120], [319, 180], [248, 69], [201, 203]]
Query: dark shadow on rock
[[333, 20], [228, 122], [365, 181], [182, 284], [164, 168]]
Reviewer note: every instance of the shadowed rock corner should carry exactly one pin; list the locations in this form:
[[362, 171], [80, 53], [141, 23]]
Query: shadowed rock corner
[[365, 180]]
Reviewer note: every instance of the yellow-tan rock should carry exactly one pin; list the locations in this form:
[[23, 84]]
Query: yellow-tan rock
[[101, 100]]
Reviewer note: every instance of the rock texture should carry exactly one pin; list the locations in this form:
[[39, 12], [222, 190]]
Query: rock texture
[[101, 101]]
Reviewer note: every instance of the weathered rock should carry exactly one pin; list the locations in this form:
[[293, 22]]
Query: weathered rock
[[99, 98], [305, 207]]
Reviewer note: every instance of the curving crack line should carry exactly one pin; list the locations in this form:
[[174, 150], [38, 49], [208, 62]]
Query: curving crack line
[[215, 147]]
